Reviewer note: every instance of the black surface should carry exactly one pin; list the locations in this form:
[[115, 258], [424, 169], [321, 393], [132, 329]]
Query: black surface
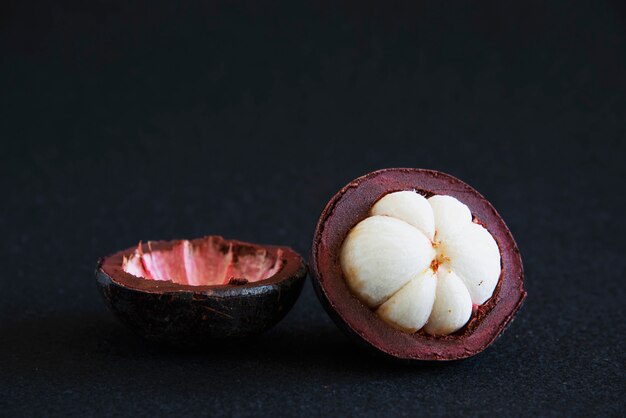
[[125, 122]]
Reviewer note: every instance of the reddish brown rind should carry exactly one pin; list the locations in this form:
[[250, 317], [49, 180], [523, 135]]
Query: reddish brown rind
[[350, 206], [187, 315]]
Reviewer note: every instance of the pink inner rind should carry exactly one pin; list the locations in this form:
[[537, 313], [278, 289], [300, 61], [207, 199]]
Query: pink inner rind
[[202, 262]]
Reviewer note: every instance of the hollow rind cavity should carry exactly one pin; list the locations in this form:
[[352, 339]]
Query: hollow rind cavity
[[188, 315]]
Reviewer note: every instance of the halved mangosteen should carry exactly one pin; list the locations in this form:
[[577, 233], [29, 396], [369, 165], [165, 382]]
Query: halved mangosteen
[[185, 292], [417, 264]]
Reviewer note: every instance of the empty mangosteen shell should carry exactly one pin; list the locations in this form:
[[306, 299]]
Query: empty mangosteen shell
[[350, 206], [187, 316]]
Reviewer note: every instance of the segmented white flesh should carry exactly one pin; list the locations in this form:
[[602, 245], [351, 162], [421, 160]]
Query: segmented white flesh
[[421, 262], [381, 254]]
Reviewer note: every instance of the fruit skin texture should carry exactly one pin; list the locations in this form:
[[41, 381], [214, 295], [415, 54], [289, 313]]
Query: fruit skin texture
[[350, 206], [185, 315]]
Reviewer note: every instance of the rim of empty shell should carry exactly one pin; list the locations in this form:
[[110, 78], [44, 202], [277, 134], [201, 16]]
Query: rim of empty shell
[[352, 204], [181, 264]]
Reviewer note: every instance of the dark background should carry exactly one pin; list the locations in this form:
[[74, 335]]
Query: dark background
[[124, 122]]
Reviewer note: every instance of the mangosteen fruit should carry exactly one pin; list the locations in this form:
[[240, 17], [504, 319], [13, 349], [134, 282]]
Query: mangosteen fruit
[[417, 264], [185, 292]]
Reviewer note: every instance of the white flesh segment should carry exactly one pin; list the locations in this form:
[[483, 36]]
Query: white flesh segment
[[380, 255], [449, 214], [410, 207], [410, 307], [453, 305], [473, 255]]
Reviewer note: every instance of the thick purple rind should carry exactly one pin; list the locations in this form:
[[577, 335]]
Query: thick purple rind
[[184, 315], [351, 205]]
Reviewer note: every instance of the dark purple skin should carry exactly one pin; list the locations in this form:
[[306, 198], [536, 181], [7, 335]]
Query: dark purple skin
[[187, 316], [350, 206]]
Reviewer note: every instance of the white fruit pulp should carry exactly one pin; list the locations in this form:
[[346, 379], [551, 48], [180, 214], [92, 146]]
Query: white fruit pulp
[[421, 263]]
